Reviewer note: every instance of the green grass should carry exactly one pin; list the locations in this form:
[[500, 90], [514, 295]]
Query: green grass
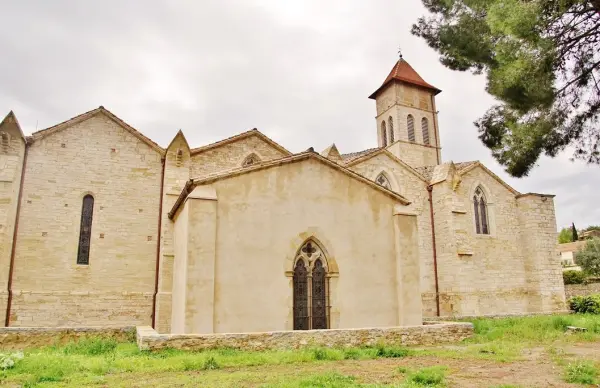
[[433, 376], [96, 360], [582, 372]]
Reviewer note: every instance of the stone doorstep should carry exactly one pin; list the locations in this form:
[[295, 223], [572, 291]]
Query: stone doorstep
[[428, 334]]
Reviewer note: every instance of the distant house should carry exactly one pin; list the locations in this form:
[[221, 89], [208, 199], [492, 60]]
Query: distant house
[[590, 234], [567, 252]]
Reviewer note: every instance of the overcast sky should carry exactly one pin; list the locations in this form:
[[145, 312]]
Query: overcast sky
[[300, 71]]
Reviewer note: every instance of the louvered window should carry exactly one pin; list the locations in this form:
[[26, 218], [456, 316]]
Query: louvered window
[[410, 125]]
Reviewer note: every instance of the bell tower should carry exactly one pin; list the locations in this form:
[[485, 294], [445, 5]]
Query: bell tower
[[406, 116]]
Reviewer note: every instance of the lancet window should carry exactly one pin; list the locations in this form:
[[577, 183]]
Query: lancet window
[[311, 288], [481, 212]]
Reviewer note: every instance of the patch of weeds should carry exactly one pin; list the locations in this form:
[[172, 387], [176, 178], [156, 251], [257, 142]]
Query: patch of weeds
[[582, 372], [392, 352], [164, 353], [91, 346], [330, 380], [46, 367], [351, 354], [433, 376], [321, 354], [561, 323], [191, 364], [228, 352], [210, 364]]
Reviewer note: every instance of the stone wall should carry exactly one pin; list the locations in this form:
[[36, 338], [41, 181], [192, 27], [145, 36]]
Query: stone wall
[[430, 334], [232, 155], [572, 290], [12, 150], [406, 183], [35, 337], [101, 157]]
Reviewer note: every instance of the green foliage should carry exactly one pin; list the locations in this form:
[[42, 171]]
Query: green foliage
[[582, 372], [574, 277], [392, 352], [210, 364], [574, 232], [352, 354], [589, 257], [91, 346], [585, 304], [428, 377], [82, 364], [541, 59], [565, 235], [328, 380], [8, 360], [321, 354]]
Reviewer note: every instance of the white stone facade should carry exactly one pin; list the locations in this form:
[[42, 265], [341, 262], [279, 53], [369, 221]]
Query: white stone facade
[[206, 239]]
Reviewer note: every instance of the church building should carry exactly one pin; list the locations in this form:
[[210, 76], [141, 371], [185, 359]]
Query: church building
[[100, 226]]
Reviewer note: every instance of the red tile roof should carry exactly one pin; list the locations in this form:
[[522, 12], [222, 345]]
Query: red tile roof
[[404, 72]]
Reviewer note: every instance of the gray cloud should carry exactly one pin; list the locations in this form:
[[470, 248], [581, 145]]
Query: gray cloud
[[299, 71]]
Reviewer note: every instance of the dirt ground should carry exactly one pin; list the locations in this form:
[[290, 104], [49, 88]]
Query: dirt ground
[[538, 367]]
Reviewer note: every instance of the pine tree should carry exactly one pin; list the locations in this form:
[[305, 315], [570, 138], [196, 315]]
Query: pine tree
[[542, 62], [575, 237]]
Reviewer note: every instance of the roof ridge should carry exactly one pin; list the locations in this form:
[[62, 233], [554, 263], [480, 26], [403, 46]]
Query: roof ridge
[[73, 120]]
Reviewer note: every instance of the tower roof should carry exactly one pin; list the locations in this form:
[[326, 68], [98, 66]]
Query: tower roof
[[404, 72]]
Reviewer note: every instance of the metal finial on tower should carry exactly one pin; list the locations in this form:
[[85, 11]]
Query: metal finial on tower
[[400, 52]]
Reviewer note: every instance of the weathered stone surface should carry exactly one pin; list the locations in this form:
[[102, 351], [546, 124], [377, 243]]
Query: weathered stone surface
[[572, 290], [429, 334], [33, 337]]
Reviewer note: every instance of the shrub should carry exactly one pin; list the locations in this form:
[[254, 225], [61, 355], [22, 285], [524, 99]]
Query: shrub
[[589, 257], [582, 372], [574, 277], [585, 304]]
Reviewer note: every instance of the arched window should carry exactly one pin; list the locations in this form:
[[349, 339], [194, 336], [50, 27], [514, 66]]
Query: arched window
[[5, 138], [391, 128], [179, 158], [85, 230], [425, 129], [311, 309], [383, 134], [481, 213], [410, 125], [383, 181], [250, 160]]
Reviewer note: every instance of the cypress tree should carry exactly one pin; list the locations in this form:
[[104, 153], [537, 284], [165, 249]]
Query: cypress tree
[[575, 237]]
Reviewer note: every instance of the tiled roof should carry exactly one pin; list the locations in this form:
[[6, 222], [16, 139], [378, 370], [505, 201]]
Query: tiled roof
[[355, 155], [404, 72]]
